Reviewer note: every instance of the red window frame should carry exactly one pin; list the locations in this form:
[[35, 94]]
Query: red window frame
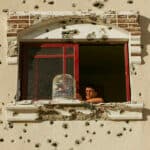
[[23, 72], [127, 74], [64, 56]]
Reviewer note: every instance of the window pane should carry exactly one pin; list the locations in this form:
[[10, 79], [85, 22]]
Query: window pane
[[40, 75], [45, 66], [31, 76], [48, 51], [69, 50], [48, 69], [41, 65], [70, 68]]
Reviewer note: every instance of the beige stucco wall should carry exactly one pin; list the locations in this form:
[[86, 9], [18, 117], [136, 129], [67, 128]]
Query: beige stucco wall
[[123, 135]]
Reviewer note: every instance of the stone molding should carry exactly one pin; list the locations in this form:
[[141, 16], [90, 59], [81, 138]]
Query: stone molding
[[20, 22]]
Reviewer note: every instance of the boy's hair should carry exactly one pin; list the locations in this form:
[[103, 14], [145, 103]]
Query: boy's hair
[[96, 88], [92, 86]]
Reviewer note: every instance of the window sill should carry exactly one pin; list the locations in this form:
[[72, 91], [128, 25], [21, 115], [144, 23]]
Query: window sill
[[28, 111]]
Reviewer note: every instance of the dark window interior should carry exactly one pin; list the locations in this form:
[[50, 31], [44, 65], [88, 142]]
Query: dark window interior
[[103, 66]]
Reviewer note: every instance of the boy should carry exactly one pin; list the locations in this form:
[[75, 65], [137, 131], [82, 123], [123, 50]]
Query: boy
[[91, 95]]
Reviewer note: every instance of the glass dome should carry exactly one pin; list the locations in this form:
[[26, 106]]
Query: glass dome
[[63, 86]]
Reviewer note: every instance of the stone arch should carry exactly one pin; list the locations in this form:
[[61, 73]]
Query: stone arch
[[52, 28], [49, 26]]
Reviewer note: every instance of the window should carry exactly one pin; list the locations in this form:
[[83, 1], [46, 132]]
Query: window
[[40, 63], [105, 65]]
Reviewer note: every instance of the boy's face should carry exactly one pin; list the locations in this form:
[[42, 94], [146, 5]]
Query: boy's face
[[90, 93]]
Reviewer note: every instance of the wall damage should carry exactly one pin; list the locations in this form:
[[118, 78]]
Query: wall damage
[[74, 111], [20, 23]]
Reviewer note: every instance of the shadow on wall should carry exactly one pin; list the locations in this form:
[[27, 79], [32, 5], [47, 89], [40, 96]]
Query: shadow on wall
[[145, 40], [146, 113]]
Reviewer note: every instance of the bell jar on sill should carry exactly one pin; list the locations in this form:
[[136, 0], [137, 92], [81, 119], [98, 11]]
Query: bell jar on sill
[[63, 87]]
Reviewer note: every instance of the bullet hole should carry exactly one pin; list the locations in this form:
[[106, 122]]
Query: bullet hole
[[70, 20], [130, 130], [23, 1], [10, 125], [75, 31], [65, 117], [44, 1], [83, 138], [1, 122], [122, 111], [108, 132], [51, 122], [133, 68], [65, 126], [64, 27], [66, 135], [20, 137], [87, 131], [54, 144], [76, 21], [90, 140], [28, 140], [49, 140], [124, 129], [5, 10], [93, 18], [38, 17], [91, 36], [25, 124], [104, 37], [74, 4], [47, 30], [140, 94], [130, 1], [87, 123], [0, 62], [12, 141], [1, 140], [109, 28], [36, 7], [24, 130], [98, 4], [102, 125], [77, 142], [94, 133], [127, 121], [119, 134], [135, 73], [51, 2], [37, 145], [15, 113], [63, 22], [142, 46], [3, 103]]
